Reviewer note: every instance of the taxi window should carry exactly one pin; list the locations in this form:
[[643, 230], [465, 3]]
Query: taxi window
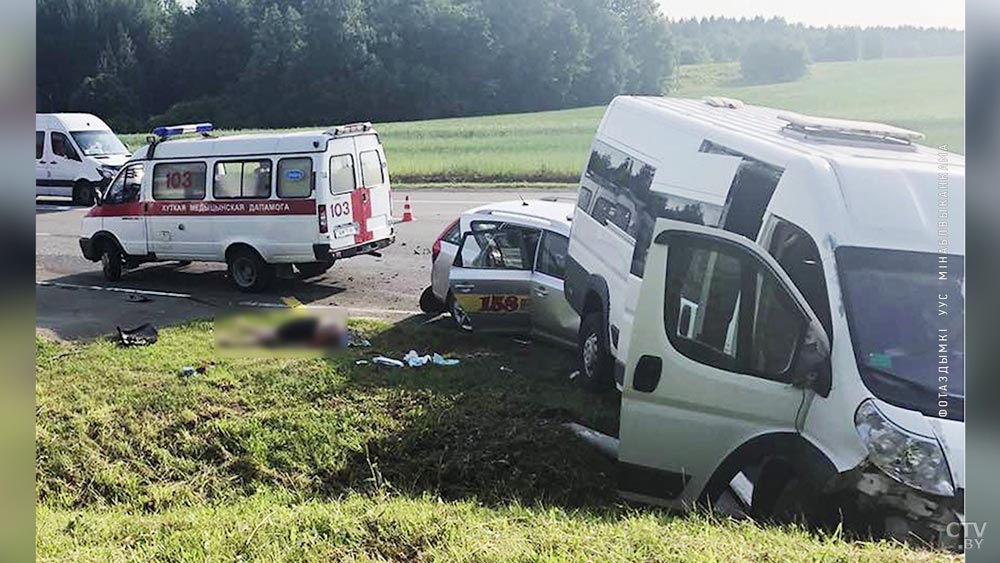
[[242, 179], [552, 255], [295, 177], [179, 180], [512, 248]]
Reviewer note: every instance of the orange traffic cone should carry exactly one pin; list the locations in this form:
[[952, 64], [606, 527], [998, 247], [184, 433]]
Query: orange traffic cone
[[407, 214]]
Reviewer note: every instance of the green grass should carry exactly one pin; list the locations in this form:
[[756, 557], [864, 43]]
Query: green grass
[[324, 460], [551, 147]]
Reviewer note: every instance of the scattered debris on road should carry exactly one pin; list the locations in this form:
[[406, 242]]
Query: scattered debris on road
[[142, 335]]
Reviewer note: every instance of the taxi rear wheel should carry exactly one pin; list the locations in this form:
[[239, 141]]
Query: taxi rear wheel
[[248, 271], [429, 303]]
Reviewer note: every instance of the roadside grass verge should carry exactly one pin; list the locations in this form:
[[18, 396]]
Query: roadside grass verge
[[294, 459], [385, 527], [925, 94]]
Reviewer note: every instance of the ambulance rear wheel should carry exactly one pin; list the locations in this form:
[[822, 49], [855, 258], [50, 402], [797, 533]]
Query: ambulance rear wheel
[[112, 261], [248, 271]]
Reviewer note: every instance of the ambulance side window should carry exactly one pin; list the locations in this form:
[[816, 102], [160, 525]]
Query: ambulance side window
[[371, 169], [342, 177], [725, 309], [295, 177], [242, 179], [179, 180], [127, 187]]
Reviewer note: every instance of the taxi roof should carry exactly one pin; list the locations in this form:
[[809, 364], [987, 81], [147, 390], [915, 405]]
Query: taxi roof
[[549, 213]]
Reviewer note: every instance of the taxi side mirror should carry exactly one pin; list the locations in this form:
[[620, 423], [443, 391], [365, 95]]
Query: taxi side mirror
[[812, 367]]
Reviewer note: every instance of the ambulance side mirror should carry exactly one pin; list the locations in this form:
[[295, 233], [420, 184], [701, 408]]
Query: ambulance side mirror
[[812, 367], [98, 197]]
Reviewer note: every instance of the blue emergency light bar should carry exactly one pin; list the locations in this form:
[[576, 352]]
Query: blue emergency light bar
[[171, 130]]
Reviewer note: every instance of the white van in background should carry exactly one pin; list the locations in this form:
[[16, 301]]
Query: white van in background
[[266, 205], [782, 298], [76, 154]]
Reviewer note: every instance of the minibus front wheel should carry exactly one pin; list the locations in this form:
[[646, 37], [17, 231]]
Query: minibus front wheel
[[248, 271]]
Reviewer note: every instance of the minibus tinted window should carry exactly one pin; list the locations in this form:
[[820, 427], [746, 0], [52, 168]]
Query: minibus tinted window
[[295, 177], [583, 198], [179, 180], [39, 144], [250, 179], [371, 169], [342, 174]]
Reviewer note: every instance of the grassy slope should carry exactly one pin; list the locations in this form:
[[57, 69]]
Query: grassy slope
[[924, 94], [326, 460]]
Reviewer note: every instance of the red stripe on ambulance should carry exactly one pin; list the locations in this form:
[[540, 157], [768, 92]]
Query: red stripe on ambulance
[[195, 208]]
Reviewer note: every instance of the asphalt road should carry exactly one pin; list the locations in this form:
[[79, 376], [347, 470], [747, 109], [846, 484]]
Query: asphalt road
[[81, 304]]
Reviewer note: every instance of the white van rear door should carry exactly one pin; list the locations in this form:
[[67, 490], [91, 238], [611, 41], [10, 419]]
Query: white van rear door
[[717, 331]]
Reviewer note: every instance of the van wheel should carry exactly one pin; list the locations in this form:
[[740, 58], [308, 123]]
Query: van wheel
[[313, 269], [112, 261], [781, 496], [429, 303], [593, 354], [83, 194], [248, 271]]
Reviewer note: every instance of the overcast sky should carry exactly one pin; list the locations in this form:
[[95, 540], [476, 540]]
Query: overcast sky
[[925, 13]]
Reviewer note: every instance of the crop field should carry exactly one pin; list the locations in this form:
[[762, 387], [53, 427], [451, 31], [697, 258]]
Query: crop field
[[268, 460], [550, 147]]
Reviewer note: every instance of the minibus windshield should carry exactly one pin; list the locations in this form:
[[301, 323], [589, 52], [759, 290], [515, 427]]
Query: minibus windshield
[[99, 143], [906, 316]]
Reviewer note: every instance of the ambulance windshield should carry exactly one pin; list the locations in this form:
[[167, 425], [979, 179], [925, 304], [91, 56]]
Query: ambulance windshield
[[906, 314]]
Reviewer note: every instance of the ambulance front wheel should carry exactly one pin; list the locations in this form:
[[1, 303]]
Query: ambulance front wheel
[[112, 262], [248, 271]]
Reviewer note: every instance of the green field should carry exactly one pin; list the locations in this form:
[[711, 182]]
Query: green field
[[923, 94], [261, 460]]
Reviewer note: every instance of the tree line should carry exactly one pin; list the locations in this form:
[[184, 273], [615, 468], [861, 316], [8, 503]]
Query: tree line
[[721, 39], [264, 63]]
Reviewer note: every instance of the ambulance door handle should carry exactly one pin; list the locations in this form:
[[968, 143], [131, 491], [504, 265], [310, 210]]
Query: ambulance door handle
[[180, 227]]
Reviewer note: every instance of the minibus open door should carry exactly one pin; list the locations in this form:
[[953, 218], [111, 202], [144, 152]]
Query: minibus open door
[[723, 349]]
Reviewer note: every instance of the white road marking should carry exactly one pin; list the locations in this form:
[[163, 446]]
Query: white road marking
[[114, 289], [363, 310]]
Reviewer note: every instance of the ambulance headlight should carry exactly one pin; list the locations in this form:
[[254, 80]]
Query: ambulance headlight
[[915, 461], [107, 172]]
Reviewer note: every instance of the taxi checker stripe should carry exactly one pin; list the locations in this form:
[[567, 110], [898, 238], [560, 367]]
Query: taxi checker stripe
[[217, 207]]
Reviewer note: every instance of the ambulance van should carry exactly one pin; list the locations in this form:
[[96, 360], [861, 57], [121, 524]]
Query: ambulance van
[[288, 203], [780, 300]]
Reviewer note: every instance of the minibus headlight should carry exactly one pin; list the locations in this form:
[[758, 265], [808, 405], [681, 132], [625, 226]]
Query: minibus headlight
[[913, 460]]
